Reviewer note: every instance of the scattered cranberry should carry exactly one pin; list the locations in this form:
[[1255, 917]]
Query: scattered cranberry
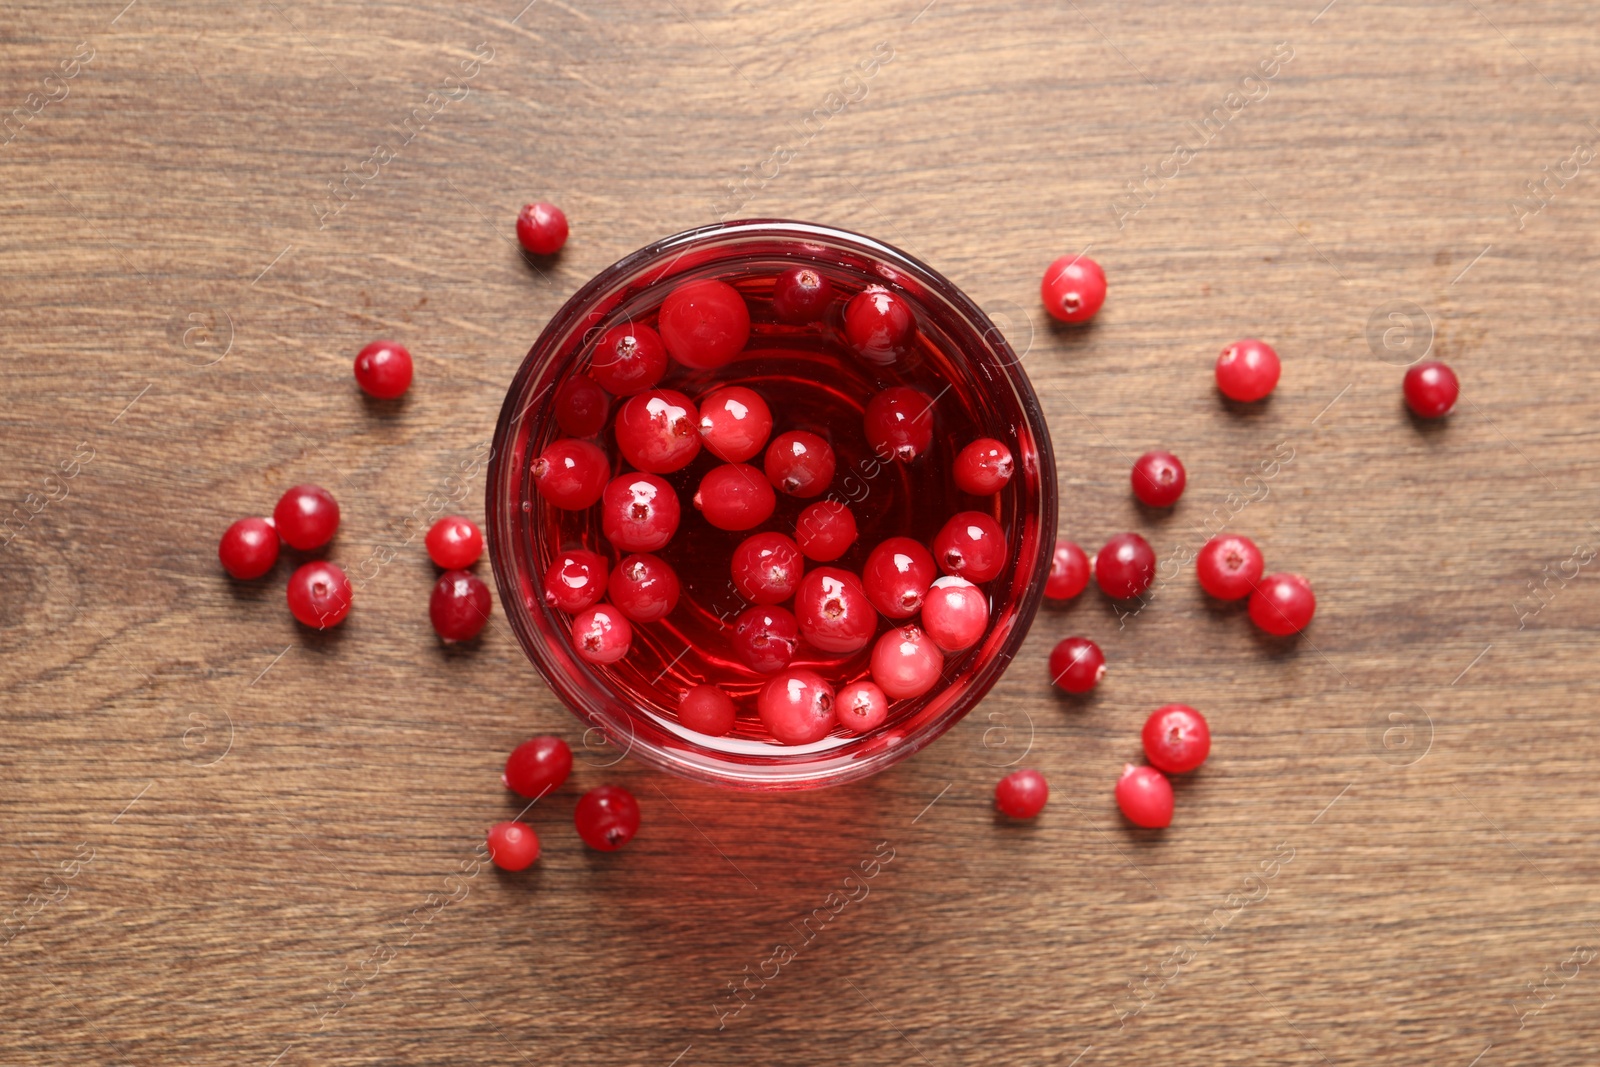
[[833, 610], [704, 323], [638, 512], [1431, 389], [897, 576], [984, 467], [571, 474], [607, 818], [658, 431], [306, 517], [1077, 665], [801, 295], [1069, 572], [542, 228], [628, 359], [906, 662], [765, 638], [1073, 289], [319, 594], [248, 548], [383, 370], [735, 496], [734, 423], [707, 710], [955, 613], [879, 325], [797, 707], [1158, 479], [799, 463], [454, 543], [459, 607], [971, 545], [581, 406], [1229, 566], [1282, 604], [601, 634], [899, 423], [1021, 794], [861, 707], [1145, 797], [537, 766], [1176, 738], [825, 531], [575, 580], [644, 588], [513, 846], [767, 568], [1125, 566], [1247, 370]]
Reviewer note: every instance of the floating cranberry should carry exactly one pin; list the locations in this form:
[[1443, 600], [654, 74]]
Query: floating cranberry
[[454, 543], [971, 545], [1069, 572], [576, 579], [707, 710], [825, 531], [765, 638], [306, 517], [658, 431], [248, 548], [1176, 738], [1282, 604], [1077, 665], [537, 766], [984, 467], [541, 228], [767, 568], [1229, 566], [955, 613], [735, 496], [570, 474], [1431, 389], [734, 423], [879, 325], [601, 634], [704, 323], [1145, 797], [1158, 479], [899, 423], [459, 606], [797, 707], [383, 370], [581, 406], [897, 576], [1125, 566], [861, 707], [319, 594], [628, 359], [513, 846], [638, 512], [1021, 794], [906, 662], [1247, 370], [833, 610], [607, 818], [1073, 289], [799, 463], [801, 295], [644, 588]]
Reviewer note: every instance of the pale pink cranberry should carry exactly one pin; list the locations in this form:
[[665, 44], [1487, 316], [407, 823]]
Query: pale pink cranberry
[[571, 474], [638, 512], [576, 579], [601, 634], [972, 546], [899, 423], [628, 359], [765, 638], [658, 431], [906, 662], [833, 610], [861, 707], [983, 467], [797, 707], [767, 568], [955, 613], [734, 423], [644, 588], [825, 531], [897, 576], [735, 496], [799, 463], [707, 710]]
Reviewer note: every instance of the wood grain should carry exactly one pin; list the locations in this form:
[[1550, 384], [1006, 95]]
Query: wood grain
[[225, 841]]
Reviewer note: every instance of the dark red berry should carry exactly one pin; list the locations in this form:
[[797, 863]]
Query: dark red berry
[[306, 517], [1176, 738], [1247, 370], [971, 545], [765, 638], [1282, 604], [1229, 566], [825, 531], [767, 568], [707, 710], [607, 818], [1073, 289], [899, 423], [601, 634], [459, 607], [571, 474], [319, 594], [513, 846], [897, 576], [1069, 572], [983, 467], [833, 610], [1077, 665], [1021, 794], [734, 423], [576, 579], [537, 766], [454, 543], [797, 707], [879, 325], [1145, 797], [581, 406], [541, 228], [704, 323], [906, 662], [1125, 566], [799, 463], [955, 613], [1431, 389], [248, 548], [735, 496], [861, 707], [383, 370], [1158, 479], [644, 588], [638, 512], [629, 358], [801, 295], [658, 431]]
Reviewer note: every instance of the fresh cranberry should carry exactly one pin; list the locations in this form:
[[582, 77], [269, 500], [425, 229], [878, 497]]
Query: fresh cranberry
[[1158, 479], [801, 295], [383, 370], [1073, 288], [800, 463], [879, 325], [319, 594], [306, 517], [1021, 794], [1077, 665], [1125, 566], [897, 576], [601, 634], [1431, 389], [570, 474], [899, 423], [906, 662], [767, 568], [248, 548], [1069, 572], [581, 406], [537, 766], [955, 613], [459, 607], [1229, 566], [628, 359], [765, 638], [1247, 370], [513, 846], [861, 707], [658, 431], [984, 467], [735, 496], [704, 323], [707, 710], [797, 707], [454, 543], [825, 531], [1145, 797], [541, 228], [575, 580], [607, 818], [1176, 738], [643, 588], [734, 423], [1282, 604], [833, 610], [972, 546], [638, 512]]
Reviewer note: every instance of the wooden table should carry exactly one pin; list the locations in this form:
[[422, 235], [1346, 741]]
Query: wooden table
[[227, 840]]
